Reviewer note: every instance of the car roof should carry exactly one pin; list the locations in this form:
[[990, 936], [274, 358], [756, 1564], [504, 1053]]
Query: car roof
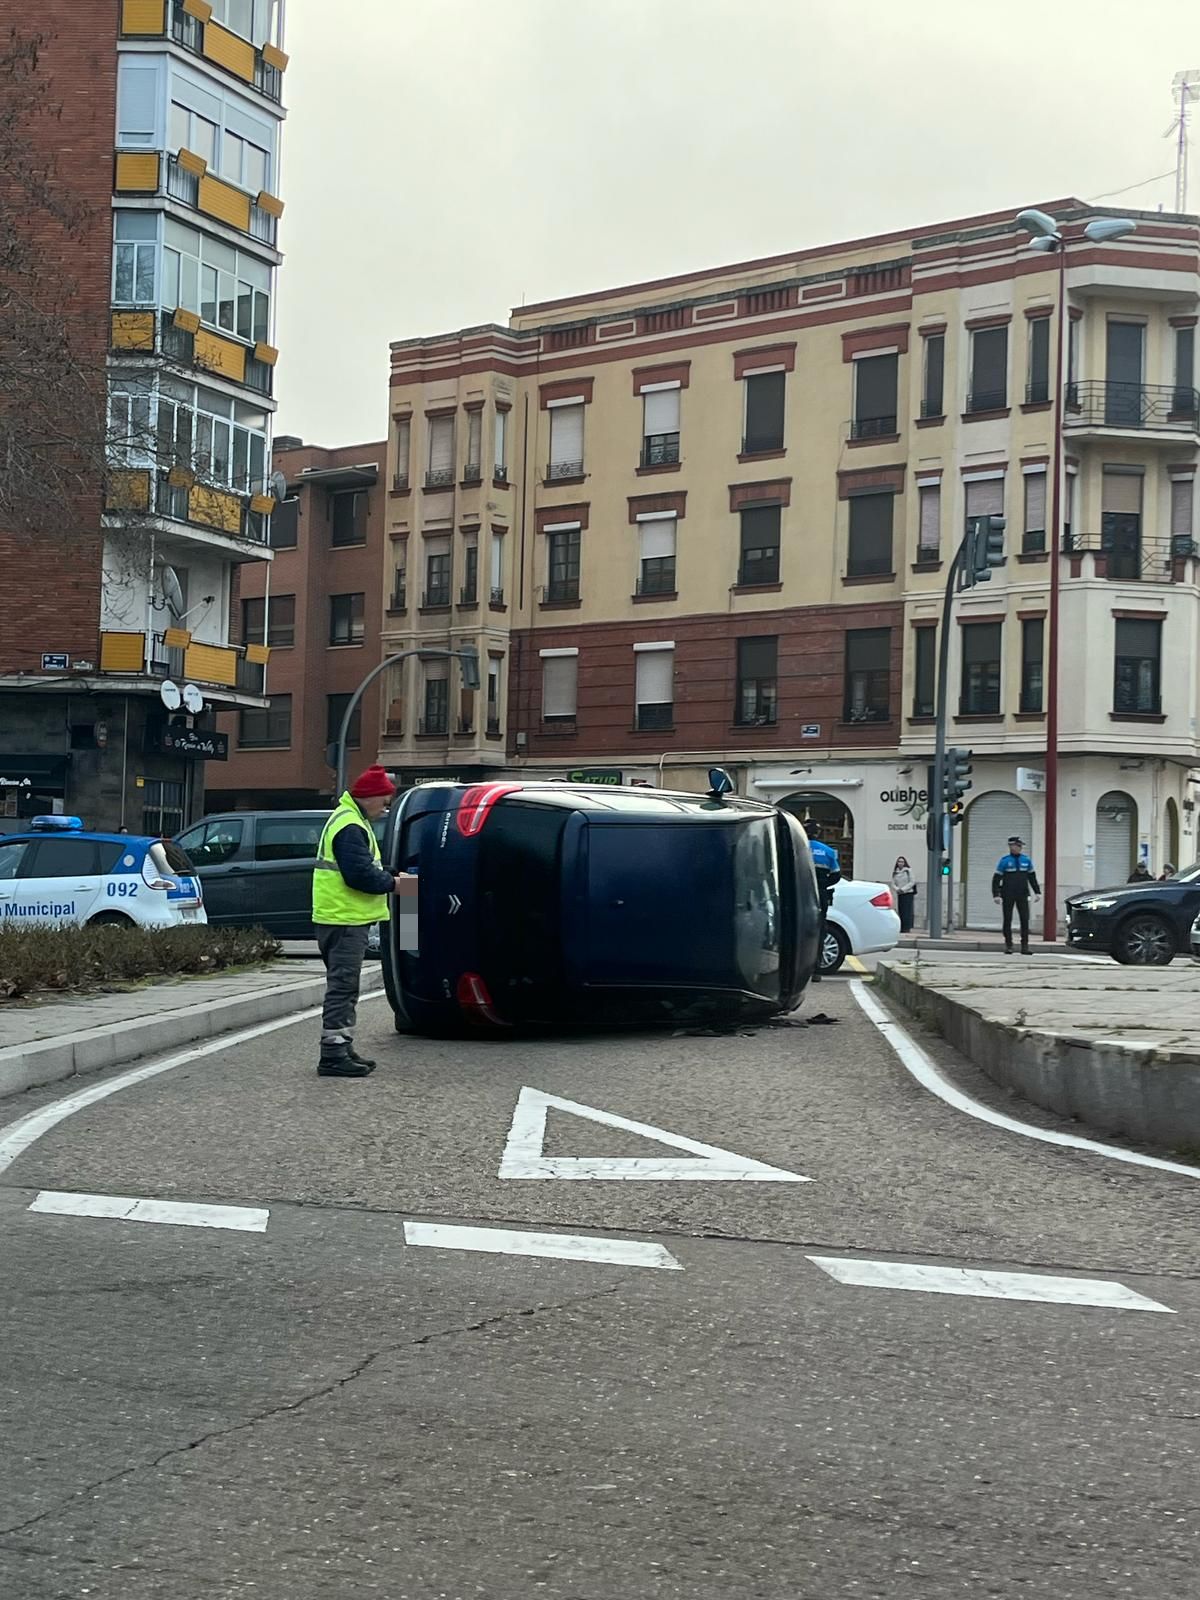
[[246, 816], [125, 839]]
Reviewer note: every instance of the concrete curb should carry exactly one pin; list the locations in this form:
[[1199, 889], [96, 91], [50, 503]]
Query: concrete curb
[[27, 1066], [1146, 1093], [919, 941]]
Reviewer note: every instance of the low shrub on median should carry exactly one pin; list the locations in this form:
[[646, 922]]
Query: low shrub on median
[[83, 959]]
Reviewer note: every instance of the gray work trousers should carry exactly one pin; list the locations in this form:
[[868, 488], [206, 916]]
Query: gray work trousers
[[343, 947]]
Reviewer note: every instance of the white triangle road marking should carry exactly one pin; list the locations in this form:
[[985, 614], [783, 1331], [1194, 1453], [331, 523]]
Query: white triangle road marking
[[523, 1153]]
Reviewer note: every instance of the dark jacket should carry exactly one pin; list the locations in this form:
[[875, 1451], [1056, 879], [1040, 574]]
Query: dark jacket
[[1014, 877], [352, 852]]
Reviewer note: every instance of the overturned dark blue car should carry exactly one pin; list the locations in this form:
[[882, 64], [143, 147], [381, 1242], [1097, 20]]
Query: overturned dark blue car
[[557, 905]]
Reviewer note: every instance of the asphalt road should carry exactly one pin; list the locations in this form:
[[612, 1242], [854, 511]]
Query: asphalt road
[[327, 1408]]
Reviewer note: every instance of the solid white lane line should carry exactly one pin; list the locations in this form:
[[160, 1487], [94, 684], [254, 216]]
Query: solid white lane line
[[985, 1284], [559, 1246], [918, 1062], [17, 1137], [126, 1208]]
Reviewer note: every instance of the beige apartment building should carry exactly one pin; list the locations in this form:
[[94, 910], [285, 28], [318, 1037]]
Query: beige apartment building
[[709, 518]]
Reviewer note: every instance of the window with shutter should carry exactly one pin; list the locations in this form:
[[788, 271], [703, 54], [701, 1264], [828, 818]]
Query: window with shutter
[[566, 442], [980, 669], [1034, 539], [759, 545], [757, 680], [560, 681], [497, 569], [655, 687], [875, 380], [403, 449], [868, 675], [985, 498], [765, 393], [473, 470], [660, 427], [441, 452], [1184, 399], [989, 370], [500, 445], [929, 534], [870, 544], [137, 106], [656, 556], [1183, 491]]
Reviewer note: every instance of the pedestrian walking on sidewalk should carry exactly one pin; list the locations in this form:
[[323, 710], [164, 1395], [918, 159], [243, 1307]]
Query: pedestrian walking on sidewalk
[[1012, 880], [829, 872], [905, 886], [1168, 871], [1140, 874], [350, 892]]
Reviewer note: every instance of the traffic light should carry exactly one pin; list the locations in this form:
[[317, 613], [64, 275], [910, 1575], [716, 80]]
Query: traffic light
[[945, 866], [983, 549], [956, 780]]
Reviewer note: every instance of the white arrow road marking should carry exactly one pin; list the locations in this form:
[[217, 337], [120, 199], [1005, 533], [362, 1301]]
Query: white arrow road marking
[[126, 1208], [560, 1246], [985, 1284], [523, 1157]]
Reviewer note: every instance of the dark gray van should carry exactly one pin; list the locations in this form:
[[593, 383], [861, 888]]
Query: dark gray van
[[256, 868]]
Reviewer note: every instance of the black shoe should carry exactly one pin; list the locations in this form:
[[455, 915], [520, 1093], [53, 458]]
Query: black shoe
[[363, 1061], [337, 1062], [1008, 950], [1025, 950]]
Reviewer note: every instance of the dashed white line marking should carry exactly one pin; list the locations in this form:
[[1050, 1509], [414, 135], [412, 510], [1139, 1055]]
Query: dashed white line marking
[[17, 1137], [127, 1208], [523, 1156], [559, 1246], [917, 1061], [985, 1284]]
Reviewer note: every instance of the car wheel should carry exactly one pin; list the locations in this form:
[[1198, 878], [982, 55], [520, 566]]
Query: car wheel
[[111, 919], [834, 950], [1144, 941]]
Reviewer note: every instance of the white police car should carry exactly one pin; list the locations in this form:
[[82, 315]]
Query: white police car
[[59, 873]]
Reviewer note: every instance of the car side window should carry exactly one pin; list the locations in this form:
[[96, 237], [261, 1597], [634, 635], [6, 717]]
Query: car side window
[[214, 842], [108, 854], [287, 838], [11, 857], [64, 858]]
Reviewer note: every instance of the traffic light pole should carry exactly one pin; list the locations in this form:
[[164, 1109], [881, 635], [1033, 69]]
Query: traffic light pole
[[937, 800]]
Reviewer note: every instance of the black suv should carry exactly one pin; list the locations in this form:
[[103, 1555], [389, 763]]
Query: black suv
[[1138, 924]]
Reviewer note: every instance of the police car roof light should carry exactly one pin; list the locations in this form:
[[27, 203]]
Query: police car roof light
[[56, 824]]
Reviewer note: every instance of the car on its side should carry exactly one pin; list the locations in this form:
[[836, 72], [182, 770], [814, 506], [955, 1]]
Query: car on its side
[[861, 921], [549, 904], [61, 874], [1138, 924], [257, 869]]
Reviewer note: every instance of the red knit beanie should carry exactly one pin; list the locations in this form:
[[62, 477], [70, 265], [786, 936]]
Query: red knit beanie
[[374, 781]]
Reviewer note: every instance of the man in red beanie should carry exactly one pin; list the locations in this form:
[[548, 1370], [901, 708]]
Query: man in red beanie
[[350, 892]]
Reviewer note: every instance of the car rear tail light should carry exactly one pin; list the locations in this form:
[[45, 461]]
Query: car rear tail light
[[474, 999], [883, 898], [476, 804]]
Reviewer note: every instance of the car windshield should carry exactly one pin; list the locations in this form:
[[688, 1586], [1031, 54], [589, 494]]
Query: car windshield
[[1187, 875]]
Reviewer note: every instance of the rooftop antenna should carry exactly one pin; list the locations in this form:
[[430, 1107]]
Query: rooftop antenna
[[1185, 87]]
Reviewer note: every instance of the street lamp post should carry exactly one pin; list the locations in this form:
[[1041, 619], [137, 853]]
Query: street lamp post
[[1048, 239], [471, 680]]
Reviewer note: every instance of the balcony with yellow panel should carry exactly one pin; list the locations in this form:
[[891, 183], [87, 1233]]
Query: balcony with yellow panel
[[228, 674], [182, 512], [258, 62], [185, 178], [179, 337]]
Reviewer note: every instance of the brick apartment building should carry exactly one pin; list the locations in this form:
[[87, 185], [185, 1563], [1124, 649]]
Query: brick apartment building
[[164, 124], [707, 519], [318, 608]]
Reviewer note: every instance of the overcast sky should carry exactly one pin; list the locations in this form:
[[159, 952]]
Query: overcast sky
[[444, 159]]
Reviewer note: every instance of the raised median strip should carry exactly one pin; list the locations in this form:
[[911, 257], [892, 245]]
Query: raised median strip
[[49, 1043], [1116, 1047]]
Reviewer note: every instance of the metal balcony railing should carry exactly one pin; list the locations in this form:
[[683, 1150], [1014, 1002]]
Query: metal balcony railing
[[399, 600], [655, 578], [1037, 392], [493, 724], [400, 481], [497, 596], [761, 569], [656, 716], [439, 477], [437, 596], [468, 595], [564, 469], [472, 472], [1146, 559], [188, 31], [660, 449], [500, 473], [873, 427], [1154, 408], [436, 722], [987, 400], [563, 589], [464, 725], [180, 184], [933, 405]]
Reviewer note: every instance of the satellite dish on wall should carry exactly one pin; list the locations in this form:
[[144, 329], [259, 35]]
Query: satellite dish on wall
[[278, 486], [169, 694], [172, 592], [192, 698]]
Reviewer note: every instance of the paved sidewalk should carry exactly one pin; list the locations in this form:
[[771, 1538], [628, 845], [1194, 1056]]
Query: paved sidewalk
[[1118, 1047], [53, 1039]]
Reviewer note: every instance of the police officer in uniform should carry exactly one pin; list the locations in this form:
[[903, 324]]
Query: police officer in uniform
[[350, 892], [829, 871], [1012, 880]]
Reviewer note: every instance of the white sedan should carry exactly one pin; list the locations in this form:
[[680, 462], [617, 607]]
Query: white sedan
[[863, 918]]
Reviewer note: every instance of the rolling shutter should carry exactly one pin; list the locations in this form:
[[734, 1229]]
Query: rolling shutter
[[1116, 817], [1182, 493], [655, 677], [566, 435], [986, 498], [661, 411], [441, 444], [930, 536], [1035, 502], [560, 680], [1122, 492], [657, 537], [989, 822]]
